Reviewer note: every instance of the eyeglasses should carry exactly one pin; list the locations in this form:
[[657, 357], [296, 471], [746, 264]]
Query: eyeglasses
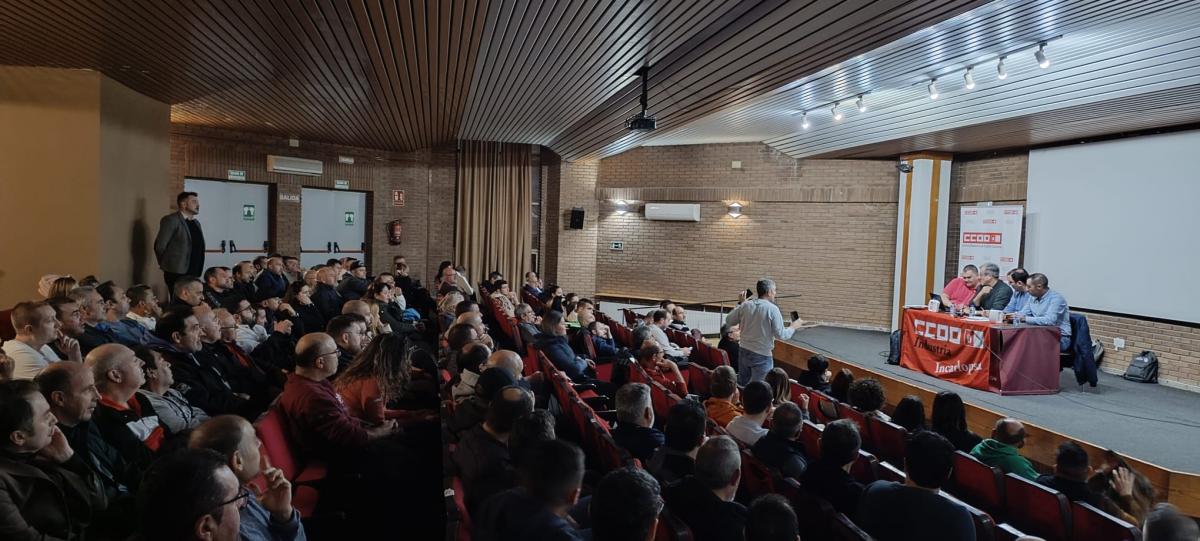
[[334, 352], [239, 501]]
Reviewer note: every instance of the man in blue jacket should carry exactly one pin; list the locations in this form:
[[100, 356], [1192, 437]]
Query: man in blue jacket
[[553, 342]]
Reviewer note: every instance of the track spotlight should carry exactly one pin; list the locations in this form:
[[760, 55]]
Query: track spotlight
[[933, 91], [968, 80], [804, 120], [1040, 55], [837, 115], [1000, 73], [862, 105]]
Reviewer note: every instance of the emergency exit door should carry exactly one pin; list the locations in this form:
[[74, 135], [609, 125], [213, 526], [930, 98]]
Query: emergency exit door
[[234, 217], [332, 225]]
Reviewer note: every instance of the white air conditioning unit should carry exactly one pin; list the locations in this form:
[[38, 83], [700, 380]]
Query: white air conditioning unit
[[294, 166], [675, 212]]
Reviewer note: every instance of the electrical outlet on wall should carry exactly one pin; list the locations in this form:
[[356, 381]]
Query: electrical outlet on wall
[[1119, 343]]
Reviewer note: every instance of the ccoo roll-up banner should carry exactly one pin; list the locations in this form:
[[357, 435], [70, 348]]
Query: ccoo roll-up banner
[[990, 235]]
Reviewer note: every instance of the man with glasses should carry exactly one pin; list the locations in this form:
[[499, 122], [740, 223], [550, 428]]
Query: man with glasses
[[191, 495], [264, 515], [202, 384]]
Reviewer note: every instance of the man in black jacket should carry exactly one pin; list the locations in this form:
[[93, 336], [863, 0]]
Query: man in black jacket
[[829, 476], [779, 448], [704, 500], [993, 293], [326, 297], [203, 385]]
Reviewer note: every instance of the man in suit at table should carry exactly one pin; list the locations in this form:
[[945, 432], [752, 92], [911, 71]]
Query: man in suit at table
[[179, 246]]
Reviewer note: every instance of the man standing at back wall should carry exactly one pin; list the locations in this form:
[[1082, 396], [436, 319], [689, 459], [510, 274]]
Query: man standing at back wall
[[179, 246], [761, 324]]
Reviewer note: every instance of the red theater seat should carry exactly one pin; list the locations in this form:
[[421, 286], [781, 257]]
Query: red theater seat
[[698, 379], [279, 452], [1091, 524], [458, 520], [863, 469], [977, 483], [985, 527], [847, 412], [1036, 509], [1007, 532], [671, 528], [824, 408], [887, 440], [810, 437], [888, 472], [757, 478]]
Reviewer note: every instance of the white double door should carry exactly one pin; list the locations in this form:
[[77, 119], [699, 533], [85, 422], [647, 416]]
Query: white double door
[[332, 225], [234, 217]]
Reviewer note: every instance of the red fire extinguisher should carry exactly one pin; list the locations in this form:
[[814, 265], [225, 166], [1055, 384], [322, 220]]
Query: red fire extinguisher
[[394, 230]]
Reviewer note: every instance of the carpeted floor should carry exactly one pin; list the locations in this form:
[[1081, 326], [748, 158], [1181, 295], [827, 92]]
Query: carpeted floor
[[1152, 422]]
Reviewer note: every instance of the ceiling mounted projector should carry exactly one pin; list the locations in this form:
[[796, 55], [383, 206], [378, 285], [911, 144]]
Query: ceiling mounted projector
[[642, 121]]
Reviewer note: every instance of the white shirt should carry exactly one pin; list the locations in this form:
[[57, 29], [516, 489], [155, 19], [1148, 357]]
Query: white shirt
[[249, 337], [660, 336], [28, 362], [761, 324], [147, 322], [745, 429]]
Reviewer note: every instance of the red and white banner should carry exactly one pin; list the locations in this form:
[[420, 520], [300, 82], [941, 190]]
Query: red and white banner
[[945, 347], [990, 235]]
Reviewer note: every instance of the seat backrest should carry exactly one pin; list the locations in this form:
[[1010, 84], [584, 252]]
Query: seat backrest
[[698, 379], [458, 518], [810, 437], [887, 440], [275, 443], [514, 331], [888, 472], [7, 332], [757, 478], [670, 528], [847, 412], [846, 530], [1036, 509], [631, 317], [977, 483], [863, 469], [1008, 532], [1091, 524], [813, 513], [985, 527], [661, 398]]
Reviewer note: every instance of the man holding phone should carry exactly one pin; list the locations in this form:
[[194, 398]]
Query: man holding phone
[[761, 323]]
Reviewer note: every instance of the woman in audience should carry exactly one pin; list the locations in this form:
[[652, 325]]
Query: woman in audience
[[910, 414], [380, 296], [781, 386], [866, 396], [377, 376], [1114, 473], [308, 317], [949, 418], [817, 375], [62, 286], [730, 336], [446, 309], [839, 388]]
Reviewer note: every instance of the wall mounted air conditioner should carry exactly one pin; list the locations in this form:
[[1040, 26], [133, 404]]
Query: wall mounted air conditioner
[[675, 212], [294, 166]]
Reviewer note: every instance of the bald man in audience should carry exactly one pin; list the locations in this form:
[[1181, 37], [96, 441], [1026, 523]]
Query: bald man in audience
[[126, 420], [1001, 450], [325, 295], [358, 308], [704, 500], [267, 515], [271, 282], [36, 328]]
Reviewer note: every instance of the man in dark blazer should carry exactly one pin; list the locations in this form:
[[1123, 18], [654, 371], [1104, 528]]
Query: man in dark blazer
[[179, 246]]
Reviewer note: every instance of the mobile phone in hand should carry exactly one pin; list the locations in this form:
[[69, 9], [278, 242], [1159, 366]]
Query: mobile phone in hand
[[795, 315], [749, 293]]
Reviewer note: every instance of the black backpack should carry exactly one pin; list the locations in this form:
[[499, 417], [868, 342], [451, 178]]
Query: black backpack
[[1143, 368], [894, 350]]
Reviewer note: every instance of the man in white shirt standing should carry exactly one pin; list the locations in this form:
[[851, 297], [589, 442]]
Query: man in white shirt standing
[[36, 327], [761, 324]]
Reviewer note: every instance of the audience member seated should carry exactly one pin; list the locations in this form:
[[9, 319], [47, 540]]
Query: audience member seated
[[37, 327], [533, 284], [325, 296], [473, 410], [916, 509], [143, 306], [266, 514], [242, 380], [529, 431], [1048, 308], [781, 389], [704, 500], [679, 319], [116, 323], [818, 374], [839, 386], [553, 342], [218, 285], [722, 406], [731, 336], [961, 289], [317, 419], [6, 368], [602, 339], [43, 493], [271, 282], [349, 333], [191, 495], [866, 396], [659, 320], [550, 478], [527, 323], [625, 506], [1109, 479], [552, 298], [505, 298], [1166, 523], [174, 412], [779, 448], [748, 427], [1000, 450], [993, 293], [92, 314], [378, 376], [249, 333], [635, 422], [1071, 478], [243, 283], [1018, 279], [683, 435], [262, 373], [125, 420], [481, 457], [470, 364], [475, 319], [354, 285], [910, 414], [771, 518], [308, 317], [829, 476], [653, 360], [949, 418], [203, 385]]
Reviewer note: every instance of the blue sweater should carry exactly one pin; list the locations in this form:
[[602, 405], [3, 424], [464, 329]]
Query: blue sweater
[[560, 353]]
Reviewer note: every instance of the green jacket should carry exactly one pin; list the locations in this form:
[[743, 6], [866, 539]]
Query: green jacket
[[1005, 457]]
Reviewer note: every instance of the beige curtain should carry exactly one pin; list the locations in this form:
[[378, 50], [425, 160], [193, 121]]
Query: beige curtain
[[494, 210]]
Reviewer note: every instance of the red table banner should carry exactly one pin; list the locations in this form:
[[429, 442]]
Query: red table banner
[[949, 348]]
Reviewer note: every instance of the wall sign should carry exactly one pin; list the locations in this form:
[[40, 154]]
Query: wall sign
[[236, 174], [293, 197], [991, 235], [616, 245], [349, 217], [397, 198], [248, 213], [340, 184]]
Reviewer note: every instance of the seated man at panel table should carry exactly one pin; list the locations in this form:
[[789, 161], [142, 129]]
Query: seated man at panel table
[[961, 290], [1047, 308], [1018, 279], [993, 293]]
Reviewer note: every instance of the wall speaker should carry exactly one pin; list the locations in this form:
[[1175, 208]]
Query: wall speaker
[[577, 218]]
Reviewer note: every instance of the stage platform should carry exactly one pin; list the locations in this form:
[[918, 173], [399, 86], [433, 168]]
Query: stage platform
[[1154, 423]]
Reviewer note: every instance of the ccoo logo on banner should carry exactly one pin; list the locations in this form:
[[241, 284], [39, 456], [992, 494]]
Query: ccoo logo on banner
[[990, 235], [945, 347]]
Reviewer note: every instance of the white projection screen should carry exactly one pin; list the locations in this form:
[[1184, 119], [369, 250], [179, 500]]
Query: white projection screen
[[1115, 225]]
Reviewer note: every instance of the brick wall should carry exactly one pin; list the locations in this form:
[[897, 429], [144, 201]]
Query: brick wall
[[833, 243], [1003, 179], [427, 177]]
